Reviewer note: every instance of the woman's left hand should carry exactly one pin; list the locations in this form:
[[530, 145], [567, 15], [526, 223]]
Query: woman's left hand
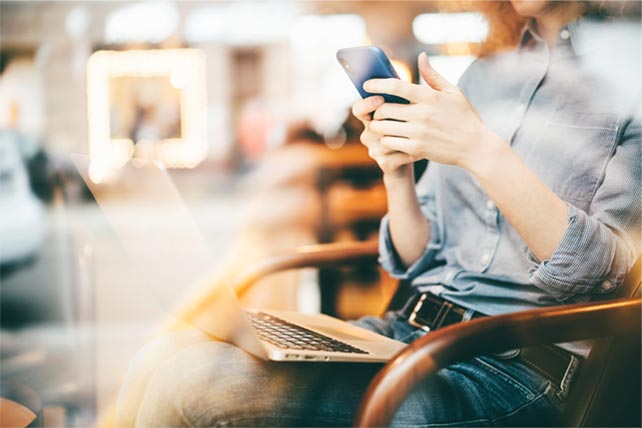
[[439, 124]]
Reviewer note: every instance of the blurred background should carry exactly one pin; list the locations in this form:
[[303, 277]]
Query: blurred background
[[245, 106]]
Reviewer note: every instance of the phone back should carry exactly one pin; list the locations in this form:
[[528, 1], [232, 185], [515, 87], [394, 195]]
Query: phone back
[[365, 63]]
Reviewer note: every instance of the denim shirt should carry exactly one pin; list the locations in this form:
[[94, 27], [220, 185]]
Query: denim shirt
[[572, 114]]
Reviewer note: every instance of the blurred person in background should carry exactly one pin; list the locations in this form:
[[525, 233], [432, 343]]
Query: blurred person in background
[[531, 199], [21, 180]]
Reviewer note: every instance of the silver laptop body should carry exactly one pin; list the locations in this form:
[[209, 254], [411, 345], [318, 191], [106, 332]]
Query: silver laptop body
[[368, 346]]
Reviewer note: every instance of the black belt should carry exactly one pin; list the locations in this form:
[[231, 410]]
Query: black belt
[[430, 312]]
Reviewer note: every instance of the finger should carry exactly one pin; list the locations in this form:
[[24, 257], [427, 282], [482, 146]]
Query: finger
[[378, 151], [413, 93], [394, 128], [403, 112], [395, 160], [369, 138], [363, 108], [399, 144], [430, 75]]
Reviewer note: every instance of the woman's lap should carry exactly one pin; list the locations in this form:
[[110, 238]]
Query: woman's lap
[[188, 379], [210, 383]]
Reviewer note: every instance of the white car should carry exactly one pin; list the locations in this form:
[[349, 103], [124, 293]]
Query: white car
[[21, 213]]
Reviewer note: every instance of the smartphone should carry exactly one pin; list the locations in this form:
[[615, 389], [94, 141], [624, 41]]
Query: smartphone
[[365, 63]]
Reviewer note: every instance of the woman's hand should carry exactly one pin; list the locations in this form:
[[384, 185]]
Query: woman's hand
[[409, 228], [393, 163], [439, 124]]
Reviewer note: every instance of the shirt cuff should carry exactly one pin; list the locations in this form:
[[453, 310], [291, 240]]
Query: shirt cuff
[[390, 261], [583, 263]]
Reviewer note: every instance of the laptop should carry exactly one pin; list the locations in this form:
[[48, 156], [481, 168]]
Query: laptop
[[268, 334]]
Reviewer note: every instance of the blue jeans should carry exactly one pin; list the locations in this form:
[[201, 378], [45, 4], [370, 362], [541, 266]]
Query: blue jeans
[[187, 379]]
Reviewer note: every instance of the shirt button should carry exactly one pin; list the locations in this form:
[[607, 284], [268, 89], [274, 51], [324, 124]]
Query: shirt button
[[490, 205], [485, 257], [607, 285], [564, 35], [449, 275]]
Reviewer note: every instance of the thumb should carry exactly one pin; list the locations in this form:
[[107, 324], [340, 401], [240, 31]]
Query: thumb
[[432, 78]]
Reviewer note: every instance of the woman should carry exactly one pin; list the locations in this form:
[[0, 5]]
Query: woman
[[531, 198]]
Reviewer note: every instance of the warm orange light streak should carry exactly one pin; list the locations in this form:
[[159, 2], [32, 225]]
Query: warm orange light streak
[[458, 49], [402, 70]]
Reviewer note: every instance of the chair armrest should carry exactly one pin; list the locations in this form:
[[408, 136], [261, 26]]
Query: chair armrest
[[454, 343], [335, 254], [322, 255]]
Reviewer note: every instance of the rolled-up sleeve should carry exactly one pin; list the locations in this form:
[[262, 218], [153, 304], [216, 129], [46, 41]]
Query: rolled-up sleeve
[[388, 256], [600, 246]]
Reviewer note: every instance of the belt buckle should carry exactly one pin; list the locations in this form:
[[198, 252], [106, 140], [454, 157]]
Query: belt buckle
[[413, 315]]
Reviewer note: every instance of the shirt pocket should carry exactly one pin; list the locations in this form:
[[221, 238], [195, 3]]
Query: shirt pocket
[[572, 150]]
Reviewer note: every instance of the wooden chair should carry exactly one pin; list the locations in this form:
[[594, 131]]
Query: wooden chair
[[606, 392], [20, 406]]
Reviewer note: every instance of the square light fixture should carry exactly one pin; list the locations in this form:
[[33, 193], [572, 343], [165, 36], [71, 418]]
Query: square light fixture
[[146, 105]]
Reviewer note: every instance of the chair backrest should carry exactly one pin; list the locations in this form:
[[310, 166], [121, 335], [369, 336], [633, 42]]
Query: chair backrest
[[607, 390]]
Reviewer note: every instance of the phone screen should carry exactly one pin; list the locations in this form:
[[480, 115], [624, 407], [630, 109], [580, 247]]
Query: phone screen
[[365, 63]]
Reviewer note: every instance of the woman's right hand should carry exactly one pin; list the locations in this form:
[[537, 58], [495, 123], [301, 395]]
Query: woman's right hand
[[394, 164]]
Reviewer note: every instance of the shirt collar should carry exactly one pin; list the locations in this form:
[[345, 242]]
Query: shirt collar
[[528, 35], [583, 35], [568, 38]]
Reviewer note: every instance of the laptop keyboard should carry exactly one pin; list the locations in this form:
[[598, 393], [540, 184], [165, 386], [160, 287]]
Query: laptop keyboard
[[285, 335]]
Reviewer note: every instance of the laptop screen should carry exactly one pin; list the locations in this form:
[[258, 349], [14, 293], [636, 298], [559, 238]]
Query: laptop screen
[[159, 226]]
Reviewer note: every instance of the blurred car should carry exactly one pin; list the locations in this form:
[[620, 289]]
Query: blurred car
[[21, 213]]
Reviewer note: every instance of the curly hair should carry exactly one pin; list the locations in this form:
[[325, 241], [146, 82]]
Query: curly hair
[[505, 25]]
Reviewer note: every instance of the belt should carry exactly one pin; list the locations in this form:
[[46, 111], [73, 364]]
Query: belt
[[430, 312]]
